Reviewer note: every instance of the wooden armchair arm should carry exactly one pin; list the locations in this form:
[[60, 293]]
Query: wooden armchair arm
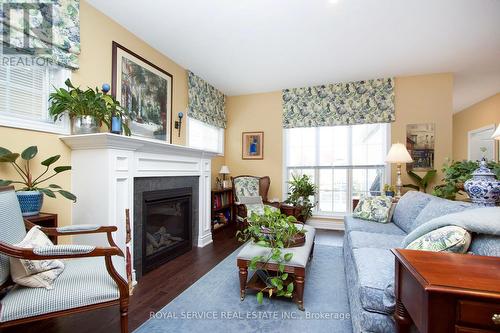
[[57, 251], [78, 230]]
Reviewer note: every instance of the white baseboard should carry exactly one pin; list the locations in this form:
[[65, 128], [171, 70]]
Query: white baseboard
[[205, 240], [327, 224]]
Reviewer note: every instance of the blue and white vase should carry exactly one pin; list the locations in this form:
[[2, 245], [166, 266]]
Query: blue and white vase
[[30, 202], [483, 188]]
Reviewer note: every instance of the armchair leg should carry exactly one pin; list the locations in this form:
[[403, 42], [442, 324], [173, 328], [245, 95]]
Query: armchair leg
[[124, 318]]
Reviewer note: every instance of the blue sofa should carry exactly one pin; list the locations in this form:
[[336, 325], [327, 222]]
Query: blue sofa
[[369, 264]]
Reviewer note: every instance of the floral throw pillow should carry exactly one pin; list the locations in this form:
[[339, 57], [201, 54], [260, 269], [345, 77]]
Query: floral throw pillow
[[445, 239], [375, 209]]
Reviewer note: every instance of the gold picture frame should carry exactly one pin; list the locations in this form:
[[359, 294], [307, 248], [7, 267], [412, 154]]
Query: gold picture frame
[[252, 145]]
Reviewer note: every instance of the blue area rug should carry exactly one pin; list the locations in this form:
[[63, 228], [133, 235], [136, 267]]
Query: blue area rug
[[213, 305]]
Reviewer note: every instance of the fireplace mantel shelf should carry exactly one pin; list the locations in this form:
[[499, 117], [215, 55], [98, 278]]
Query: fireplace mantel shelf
[[131, 143]]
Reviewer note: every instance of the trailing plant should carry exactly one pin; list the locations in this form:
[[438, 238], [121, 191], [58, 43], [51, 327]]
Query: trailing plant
[[24, 170], [301, 189], [421, 182], [275, 231], [456, 173], [76, 102]]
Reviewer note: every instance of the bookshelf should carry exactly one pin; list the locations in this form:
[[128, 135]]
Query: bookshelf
[[222, 208]]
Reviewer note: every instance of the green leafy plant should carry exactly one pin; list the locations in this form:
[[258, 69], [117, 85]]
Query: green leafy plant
[[389, 188], [421, 182], [275, 231], [24, 170], [301, 189], [456, 173], [76, 102]]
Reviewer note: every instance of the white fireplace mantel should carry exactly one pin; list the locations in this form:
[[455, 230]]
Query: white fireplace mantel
[[104, 166]]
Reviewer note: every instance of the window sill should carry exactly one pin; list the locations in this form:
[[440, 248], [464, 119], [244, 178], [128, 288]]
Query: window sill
[[33, 125]]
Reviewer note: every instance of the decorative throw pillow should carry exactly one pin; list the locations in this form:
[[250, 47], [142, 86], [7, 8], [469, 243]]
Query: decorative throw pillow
[[375, 209], [256, 200], [35, 273], [445, 239]]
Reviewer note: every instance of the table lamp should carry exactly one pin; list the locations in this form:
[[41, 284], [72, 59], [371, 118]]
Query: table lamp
[[398, 154], [224, 170]]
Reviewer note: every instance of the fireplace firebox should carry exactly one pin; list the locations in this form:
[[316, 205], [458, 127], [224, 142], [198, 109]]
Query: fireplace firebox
[[166, 226]]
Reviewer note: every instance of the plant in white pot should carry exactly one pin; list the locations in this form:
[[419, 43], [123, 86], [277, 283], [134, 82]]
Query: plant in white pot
[[30, 196]]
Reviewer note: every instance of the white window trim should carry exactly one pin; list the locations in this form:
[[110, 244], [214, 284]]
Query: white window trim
[[222, 137]]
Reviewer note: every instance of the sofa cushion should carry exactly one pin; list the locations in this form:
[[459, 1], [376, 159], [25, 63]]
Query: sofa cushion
[[83, 282], [376, 209], [361, 239], [408, 208], [354, 224], [446, 239], [438, 207], [485, 245], [375, 269]]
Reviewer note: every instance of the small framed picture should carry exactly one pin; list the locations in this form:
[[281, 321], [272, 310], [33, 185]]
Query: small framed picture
[[252, 146]]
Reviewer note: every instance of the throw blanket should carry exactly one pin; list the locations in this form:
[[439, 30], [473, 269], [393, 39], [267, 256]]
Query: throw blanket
[[484, 220]]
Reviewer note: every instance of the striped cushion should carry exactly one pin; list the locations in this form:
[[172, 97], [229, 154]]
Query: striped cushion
[[83, 282], [12, 230]]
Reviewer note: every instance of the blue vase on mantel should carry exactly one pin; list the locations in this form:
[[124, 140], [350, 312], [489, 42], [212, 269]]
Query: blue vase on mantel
[[483, 188]]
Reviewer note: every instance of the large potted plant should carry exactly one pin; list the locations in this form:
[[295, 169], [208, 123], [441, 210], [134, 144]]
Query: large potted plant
[[276, 231], [301, 190], [30, 195]]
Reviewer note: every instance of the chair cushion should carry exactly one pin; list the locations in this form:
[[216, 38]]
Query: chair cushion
[[445, 239], [361, 239], [376, 208], [83, 282], [300, 254], [12, 227], [438, 207], [354, 224], [408, 208], [246, 187], [375, 269], [35, 273]]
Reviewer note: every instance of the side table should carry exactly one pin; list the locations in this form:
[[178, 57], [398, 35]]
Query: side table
[[45, 220]]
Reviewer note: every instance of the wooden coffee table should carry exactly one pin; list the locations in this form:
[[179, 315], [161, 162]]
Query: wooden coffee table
[[296, 267]]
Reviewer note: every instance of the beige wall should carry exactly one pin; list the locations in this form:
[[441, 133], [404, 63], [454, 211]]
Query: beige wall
[[97, 33], [258, 112], [425, 99], [418, 99], [479, 115]]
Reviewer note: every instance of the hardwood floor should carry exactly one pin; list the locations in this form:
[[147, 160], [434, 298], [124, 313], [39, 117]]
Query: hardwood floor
[[153, 292]]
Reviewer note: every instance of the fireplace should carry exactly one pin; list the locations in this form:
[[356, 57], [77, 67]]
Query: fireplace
[[165, 219], [166, 226]]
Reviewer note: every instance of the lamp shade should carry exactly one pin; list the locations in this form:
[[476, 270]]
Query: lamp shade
[[224, 170], [398, 154], [496, 135]]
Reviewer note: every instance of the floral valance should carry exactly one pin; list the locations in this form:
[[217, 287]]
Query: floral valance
[[52, 29], [206, 103], [361, 102]]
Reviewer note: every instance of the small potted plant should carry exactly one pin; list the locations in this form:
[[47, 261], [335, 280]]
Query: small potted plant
[[30, 196], [389, 190], [301, 189], [277, 232]]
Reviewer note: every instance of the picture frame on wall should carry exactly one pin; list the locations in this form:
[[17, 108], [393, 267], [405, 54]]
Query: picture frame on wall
[[252, 146], [420, 141], [145, 91]]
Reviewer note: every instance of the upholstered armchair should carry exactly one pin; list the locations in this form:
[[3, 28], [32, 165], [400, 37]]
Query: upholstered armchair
[[93, 277], [250, 195]]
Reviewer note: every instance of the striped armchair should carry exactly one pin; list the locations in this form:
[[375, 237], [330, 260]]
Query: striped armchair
[[93, 278]]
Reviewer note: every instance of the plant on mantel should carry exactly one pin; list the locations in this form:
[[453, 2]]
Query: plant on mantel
[[275, 231], [31, 185]]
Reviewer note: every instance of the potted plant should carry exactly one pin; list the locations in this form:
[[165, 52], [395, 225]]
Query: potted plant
[[30, 196], [389, 190], [87, 109], [275, 231], [421, 182], [301, 189]]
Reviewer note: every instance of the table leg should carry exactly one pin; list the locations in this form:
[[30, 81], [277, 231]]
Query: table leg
[[402, 317], [243, 281], [299, 291]]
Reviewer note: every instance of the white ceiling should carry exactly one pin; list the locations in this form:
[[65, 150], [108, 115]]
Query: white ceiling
[[249, 46]]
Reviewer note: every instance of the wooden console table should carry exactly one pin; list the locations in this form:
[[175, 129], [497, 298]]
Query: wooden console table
[[447, 292]]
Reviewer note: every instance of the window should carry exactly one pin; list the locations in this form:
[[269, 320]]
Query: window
[[345, 162], [206, 137], [24, 95]]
